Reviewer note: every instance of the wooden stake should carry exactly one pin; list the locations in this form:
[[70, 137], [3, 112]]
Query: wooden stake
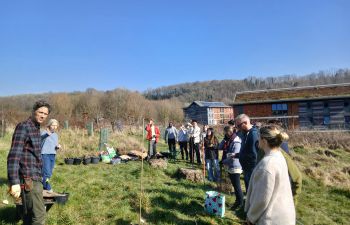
[[141, 185]]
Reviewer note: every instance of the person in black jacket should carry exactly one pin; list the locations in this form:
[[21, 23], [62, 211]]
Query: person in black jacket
[[249, 150]]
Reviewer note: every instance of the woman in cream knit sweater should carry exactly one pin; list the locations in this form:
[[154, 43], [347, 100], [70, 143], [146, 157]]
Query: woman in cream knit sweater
[[269, 197]]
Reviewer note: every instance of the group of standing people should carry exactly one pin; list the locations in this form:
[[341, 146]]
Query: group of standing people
[[31, 160], [188, 137], [272, 180]]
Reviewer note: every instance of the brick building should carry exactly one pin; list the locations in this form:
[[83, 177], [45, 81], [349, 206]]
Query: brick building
[[312, 107], [211, 113]]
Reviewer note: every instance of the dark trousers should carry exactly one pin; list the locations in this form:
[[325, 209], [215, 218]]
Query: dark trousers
[[236, 183], [247, 173], [183, 148], [194, 148], [172, 145], [34, 205]]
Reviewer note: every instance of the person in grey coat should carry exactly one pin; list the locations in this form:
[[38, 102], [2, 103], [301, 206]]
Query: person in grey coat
[[183, 139], [170, 137]]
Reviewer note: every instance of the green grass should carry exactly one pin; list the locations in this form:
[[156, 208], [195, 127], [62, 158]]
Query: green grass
[[107, 194]]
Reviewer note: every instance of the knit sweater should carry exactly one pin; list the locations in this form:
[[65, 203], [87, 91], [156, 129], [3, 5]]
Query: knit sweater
[[295, 175], [49, 142], [269, 197]]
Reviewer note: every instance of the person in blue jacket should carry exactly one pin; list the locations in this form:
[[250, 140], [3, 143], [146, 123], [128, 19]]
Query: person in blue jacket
[[248, 155], [232, 144], [49, 146]]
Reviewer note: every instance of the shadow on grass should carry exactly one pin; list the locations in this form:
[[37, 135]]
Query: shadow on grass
[[8, 215], [123, 222], [162, 216], [3, 181], [341, 192]]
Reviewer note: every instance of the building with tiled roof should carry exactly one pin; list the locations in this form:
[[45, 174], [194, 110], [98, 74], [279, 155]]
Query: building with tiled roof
[[310, 107], [211, 113]]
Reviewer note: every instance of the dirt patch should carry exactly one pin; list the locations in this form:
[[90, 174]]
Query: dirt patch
[[329, 153], [346, 170], [225, 185], [298, 158], [138, 153], [316, 164], [191, 174], [158, 163]]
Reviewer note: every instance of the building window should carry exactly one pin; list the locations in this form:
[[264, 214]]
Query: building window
[[326, 120], [238, 110], [346, 106], [279, 109], [347, 120], [222, 110]]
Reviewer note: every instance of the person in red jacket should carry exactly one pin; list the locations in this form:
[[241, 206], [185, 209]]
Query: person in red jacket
[[153, 134]]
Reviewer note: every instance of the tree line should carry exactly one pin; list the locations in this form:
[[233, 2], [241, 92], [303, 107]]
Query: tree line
[[225, 90], [102, 108], [121, 106]]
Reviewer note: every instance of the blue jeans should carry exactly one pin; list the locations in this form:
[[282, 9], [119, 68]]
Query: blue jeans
[[236, 183], [48, 164], [213, 169], [247, 173]]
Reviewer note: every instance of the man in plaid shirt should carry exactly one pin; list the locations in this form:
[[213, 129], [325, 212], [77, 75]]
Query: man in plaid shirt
[[24, 165]]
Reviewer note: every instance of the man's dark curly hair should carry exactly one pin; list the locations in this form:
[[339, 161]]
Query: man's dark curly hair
[[41, 103]]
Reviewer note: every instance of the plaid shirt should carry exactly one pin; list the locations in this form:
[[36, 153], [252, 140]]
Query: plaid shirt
[[24, 158]]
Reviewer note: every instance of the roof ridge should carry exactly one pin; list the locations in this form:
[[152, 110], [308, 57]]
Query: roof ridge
[[293, 88]]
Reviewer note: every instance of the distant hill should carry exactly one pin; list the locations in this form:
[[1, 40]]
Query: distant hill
[[162, 104], [225, 90]]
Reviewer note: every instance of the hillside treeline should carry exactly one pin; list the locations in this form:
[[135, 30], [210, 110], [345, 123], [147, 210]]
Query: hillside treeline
[[119, 106], [224, 90]]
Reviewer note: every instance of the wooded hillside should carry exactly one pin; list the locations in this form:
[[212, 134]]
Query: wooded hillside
[[224, 90], [163, 104]]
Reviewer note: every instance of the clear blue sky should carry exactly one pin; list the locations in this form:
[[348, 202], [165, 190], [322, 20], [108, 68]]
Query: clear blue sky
[[70, 45]]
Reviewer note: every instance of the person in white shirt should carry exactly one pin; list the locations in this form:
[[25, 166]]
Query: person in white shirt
[[195, 140], [269, 197]]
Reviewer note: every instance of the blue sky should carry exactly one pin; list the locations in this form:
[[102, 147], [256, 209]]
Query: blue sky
[[74, 45]]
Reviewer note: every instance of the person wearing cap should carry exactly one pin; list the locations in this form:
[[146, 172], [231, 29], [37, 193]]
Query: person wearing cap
[[49, 146], [24, 165]]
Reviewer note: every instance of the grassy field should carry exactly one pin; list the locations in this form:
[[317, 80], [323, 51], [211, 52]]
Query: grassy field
[[109, 194]]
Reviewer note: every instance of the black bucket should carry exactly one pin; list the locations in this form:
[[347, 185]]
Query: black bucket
[[77, 161], [62, 198], [95, 160], [87, 161], [69, 161]]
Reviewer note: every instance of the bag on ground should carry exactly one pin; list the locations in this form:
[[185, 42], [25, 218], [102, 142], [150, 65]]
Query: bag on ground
[[215, 203]]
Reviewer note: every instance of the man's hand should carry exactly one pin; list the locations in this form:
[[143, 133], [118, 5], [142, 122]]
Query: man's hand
[[15, 190]]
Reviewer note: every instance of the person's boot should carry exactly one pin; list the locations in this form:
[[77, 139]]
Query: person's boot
[[237, 205]]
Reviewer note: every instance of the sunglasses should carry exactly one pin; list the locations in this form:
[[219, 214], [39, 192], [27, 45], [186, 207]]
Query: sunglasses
[[240, 125]]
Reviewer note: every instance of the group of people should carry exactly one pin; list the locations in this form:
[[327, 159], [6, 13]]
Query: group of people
[[188, 137], [31, 160], [259, 152], [271, 178]]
